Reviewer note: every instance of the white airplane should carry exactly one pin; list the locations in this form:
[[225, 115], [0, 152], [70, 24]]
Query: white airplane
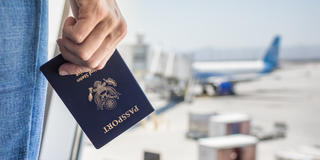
[[223, 75]]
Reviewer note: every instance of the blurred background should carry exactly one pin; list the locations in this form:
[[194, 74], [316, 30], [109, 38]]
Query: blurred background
[[230, 80]]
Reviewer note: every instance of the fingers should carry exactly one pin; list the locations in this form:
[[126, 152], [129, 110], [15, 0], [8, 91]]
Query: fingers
[[78, 31], [67, 55], [72, 69], [75, 67], [105, 60], [97, 62], [110, 50], [107, 48], [89, 14], [86, 49], [100, 54], [90, 40]]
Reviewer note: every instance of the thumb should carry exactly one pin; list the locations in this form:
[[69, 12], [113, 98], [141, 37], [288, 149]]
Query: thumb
[[71, 69]]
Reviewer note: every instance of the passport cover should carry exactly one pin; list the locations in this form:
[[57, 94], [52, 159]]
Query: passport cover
[[105, 103]]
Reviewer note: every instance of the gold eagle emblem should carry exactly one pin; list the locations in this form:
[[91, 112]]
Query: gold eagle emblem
[[105, 94]]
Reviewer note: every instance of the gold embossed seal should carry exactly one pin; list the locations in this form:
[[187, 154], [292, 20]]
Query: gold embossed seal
[[105, 94]]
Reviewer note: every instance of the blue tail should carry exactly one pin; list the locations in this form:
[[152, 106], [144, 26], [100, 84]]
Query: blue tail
[[271, 57]]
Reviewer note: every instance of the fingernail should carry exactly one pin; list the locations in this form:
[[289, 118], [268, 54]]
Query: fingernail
[[63, 73]]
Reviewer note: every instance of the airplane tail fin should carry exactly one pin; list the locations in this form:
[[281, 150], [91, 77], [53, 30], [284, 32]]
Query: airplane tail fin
[[272, 54]]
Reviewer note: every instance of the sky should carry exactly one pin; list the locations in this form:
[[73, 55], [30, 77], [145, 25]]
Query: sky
[[183, 25]]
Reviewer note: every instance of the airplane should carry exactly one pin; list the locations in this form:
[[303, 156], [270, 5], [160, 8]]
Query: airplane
[[223, 75]]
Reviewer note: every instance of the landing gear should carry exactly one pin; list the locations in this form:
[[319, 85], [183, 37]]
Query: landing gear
[[224, 88]]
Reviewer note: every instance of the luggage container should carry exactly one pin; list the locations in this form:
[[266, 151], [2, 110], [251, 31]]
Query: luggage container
[[227, 124], [198, 123], [232, 147]]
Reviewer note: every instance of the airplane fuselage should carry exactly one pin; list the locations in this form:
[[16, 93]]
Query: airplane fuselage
[[229, 67]]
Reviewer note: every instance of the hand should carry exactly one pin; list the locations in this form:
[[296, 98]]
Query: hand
[[89, 39]]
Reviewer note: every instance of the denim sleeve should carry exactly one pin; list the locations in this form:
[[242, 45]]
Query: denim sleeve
[[23, 48]]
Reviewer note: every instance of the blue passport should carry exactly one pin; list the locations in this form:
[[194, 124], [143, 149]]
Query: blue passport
[[105, 103]]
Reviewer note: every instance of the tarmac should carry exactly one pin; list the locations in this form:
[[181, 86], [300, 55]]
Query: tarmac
[[290, 95]]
